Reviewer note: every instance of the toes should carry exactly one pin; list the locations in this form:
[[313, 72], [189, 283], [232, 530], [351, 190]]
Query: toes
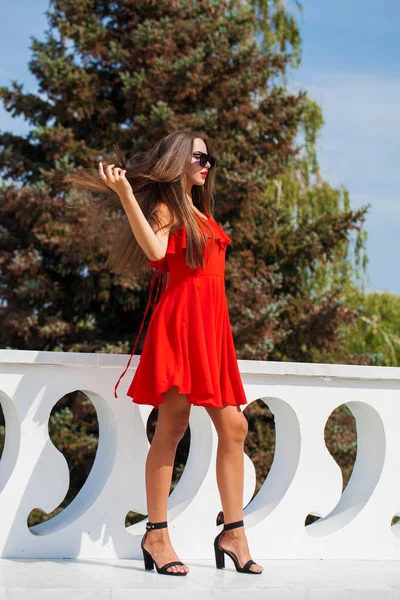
[[183, 569], [178, 569], [256, 568]]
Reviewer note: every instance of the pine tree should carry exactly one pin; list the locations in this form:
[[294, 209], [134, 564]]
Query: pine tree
[[131, 72]]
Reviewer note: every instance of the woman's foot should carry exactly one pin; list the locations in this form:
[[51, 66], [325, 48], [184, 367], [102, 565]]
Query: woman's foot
[[235, 541], [159, 545]]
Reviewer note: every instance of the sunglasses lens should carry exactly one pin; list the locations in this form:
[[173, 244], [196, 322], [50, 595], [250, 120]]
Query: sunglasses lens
[[204, 159]]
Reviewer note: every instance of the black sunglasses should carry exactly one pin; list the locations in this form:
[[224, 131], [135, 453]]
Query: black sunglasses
[[205, 158]]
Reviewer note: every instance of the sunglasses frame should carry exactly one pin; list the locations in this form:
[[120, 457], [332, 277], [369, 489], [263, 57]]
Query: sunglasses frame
[[205, 158]]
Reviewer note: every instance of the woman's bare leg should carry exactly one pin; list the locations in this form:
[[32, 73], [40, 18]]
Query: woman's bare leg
[[173, 418], [232, 427]]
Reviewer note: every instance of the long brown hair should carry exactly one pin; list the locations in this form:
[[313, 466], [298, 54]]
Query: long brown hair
[[157, 175]]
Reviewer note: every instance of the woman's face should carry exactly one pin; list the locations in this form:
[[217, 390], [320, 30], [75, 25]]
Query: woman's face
[[197, 174]]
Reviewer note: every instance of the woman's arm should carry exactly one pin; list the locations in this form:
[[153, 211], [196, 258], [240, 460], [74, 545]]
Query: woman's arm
[[154, 244]]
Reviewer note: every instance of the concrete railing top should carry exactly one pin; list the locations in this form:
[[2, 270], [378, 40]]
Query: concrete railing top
[[247, 367]]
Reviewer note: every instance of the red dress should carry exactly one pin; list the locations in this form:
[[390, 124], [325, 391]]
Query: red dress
[[189, 340]]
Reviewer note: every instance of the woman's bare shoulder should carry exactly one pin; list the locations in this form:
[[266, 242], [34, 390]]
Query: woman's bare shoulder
[[165, 215]]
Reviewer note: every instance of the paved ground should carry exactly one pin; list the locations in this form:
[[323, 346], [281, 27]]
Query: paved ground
[[98, 579]]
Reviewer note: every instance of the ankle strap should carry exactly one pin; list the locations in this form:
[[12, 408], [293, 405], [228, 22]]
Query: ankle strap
[[158, 525], [233, 525]]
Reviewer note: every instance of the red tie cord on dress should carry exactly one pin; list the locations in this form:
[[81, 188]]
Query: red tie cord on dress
[[161, 280]]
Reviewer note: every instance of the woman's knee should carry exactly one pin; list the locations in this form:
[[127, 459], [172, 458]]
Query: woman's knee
[[232, 427], [239, 430], [172, 432]]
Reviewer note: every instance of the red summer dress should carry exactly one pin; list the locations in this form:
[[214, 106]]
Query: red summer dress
[[189, 340]]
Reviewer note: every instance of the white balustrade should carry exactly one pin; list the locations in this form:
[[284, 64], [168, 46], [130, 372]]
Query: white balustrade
[[304, 478]]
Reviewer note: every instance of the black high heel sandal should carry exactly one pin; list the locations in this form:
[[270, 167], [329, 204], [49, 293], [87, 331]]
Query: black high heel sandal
[[219, 552], [149, 561]]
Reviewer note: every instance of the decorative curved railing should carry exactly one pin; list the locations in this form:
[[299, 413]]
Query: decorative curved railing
[[304, 478]]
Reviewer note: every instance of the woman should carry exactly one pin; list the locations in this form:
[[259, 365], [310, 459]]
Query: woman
[[188, 356]]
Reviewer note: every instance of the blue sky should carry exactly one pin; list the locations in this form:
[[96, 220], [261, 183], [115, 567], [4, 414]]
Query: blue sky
[[350, 66]]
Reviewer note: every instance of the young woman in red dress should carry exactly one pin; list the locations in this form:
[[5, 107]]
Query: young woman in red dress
[[188, 357]]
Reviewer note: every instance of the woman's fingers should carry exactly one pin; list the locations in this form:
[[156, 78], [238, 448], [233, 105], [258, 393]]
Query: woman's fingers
[[102, 175], [109, 171], [120, 172], [112, 176], [101, 168]]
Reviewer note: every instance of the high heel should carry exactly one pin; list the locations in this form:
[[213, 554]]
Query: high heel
[[149, 561], [220, 552]]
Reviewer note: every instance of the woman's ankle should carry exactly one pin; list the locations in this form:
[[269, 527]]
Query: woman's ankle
[[236, 533], [156, 535]]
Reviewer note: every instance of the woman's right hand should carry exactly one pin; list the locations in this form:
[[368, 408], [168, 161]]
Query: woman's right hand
[[114, 178]]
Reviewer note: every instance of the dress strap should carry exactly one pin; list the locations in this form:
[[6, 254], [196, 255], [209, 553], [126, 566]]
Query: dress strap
[[159, 279]]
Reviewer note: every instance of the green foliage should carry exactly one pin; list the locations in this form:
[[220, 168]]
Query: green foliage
[[375, 333], [279, 29], [132, 72]]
